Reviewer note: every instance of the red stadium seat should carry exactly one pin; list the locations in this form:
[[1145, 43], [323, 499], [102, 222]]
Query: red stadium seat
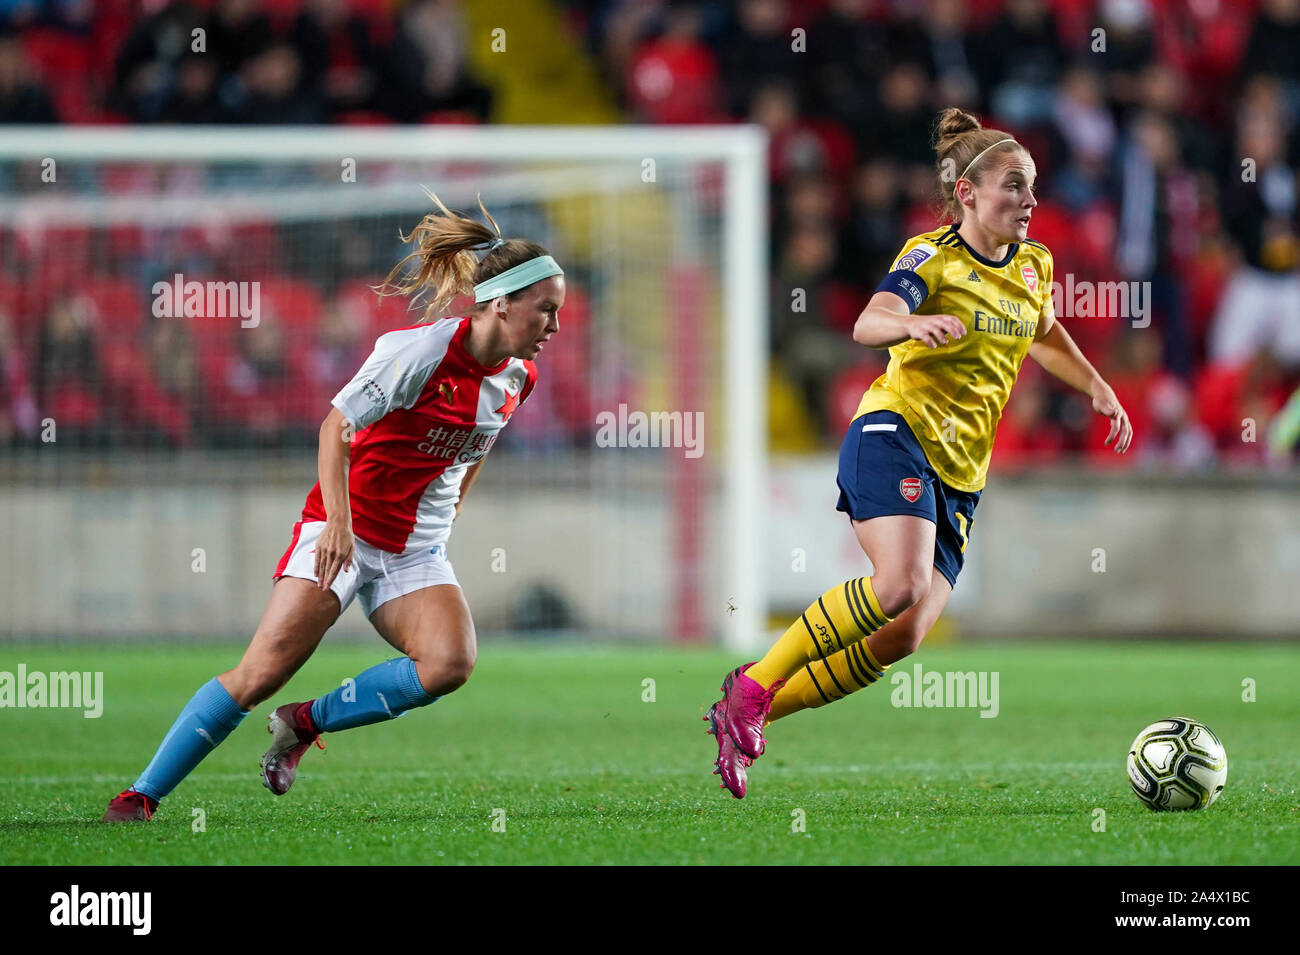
[[363, 117], [214, 335], [306, 400], [380, 315], [24, 321], [843, 303], [831, 142], [1205, 285], [673, 82], [844, 393], [73, 405], [154, 409], [292, 303], [26, 302], [378, 15], [63, 61], [113, 23], [122, 365], [124, 242], [243, 248], [59, 56], [127, 178], [1218, 391], [121, 308], [450, 117], [282, 12], [566, 362], [54, 248]]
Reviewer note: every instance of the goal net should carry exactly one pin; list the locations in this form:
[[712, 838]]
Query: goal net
[[177, 308]]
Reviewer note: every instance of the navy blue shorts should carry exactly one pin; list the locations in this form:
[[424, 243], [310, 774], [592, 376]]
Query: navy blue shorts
[[884, 471]]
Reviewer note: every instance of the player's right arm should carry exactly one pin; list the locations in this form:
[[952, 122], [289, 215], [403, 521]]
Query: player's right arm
[[335, 544], [889, 318], [886, 322]]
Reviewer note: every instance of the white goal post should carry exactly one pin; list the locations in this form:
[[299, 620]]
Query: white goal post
[[543, 154]]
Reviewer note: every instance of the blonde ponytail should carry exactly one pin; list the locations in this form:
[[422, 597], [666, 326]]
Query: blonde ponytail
[[445, 263]]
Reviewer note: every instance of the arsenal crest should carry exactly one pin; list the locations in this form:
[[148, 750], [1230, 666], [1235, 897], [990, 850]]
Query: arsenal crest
[[1031, 277], [910, 488]]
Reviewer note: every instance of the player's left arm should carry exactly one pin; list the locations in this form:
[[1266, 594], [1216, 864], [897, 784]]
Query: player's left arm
[[1055, 350], [471, 475]]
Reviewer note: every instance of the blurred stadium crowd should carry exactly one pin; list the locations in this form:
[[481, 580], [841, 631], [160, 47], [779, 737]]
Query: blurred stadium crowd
[[1166, 134]]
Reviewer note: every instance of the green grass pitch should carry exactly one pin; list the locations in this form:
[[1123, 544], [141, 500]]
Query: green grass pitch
[[585, 770]]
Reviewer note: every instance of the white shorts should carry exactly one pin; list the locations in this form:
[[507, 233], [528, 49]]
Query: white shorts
[[376, 576]]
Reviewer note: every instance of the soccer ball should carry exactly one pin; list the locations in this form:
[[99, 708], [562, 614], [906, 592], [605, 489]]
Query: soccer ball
[[1177, 763]]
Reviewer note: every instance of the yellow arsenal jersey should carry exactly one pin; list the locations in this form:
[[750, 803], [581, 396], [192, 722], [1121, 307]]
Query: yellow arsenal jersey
[[952, 396]]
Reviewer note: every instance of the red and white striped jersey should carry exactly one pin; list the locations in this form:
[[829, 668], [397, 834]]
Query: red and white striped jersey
[[424, 411]]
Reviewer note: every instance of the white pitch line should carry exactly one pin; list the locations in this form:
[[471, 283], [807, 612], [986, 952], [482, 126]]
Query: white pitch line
[[1002, 769]]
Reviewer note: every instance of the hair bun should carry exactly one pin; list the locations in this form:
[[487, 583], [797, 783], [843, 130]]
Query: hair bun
[[952, 122]]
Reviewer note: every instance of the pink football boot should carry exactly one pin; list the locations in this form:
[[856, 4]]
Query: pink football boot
[[731, 763], [747, 706]]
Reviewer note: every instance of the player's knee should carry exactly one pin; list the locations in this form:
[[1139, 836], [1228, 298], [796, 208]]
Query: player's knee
[[900, 590], [442, 672], [902, 642], [253, 684]]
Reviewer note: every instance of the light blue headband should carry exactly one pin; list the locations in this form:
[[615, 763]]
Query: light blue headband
[[512, 280]]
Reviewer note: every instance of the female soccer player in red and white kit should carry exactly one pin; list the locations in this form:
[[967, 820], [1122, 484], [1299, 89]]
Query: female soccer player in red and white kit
[[399, 450]]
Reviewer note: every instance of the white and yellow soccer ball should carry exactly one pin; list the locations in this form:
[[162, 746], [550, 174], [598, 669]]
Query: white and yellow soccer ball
[[1177, 763]]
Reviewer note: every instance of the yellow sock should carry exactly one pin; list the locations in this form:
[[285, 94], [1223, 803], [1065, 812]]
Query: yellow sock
[[838, 619], [826, 681]]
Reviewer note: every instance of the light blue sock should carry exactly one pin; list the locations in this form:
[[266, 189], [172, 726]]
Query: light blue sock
[[207, 719], [384, 692]]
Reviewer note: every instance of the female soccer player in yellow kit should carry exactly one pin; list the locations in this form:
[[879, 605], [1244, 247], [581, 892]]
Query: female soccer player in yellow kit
[[959, 311]]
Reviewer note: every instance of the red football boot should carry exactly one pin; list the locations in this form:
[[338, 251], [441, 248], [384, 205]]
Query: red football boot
[[292, 734], [130, 806]]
